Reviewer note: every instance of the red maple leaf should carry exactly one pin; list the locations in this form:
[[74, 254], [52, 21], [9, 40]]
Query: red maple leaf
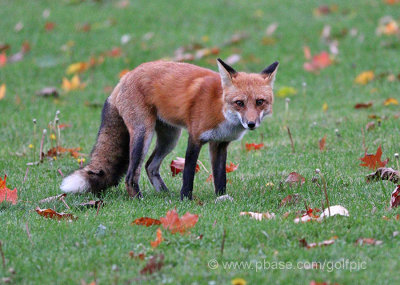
[[253, 146], [322, 143], [174, 224], [317, 62], [178, 164], [7, 194], [395, 199], [373, 161]]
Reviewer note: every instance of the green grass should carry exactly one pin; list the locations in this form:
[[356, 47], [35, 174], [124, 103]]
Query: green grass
[[68, 252]]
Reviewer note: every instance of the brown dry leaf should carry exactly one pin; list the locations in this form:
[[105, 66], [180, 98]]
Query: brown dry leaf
[[49, 26], [295, 178], [304, 243], [371, 241], [50, 213], [158, 240], [364, 77], [373, 161], [321, 143], [174, 224], [53, 198], [290, 200], [363, 105], [146, 221], [140, 256], [391, 101], [370, 126], [55, 151], [154, 264], [384, 173], [395, 199], [258, 216]]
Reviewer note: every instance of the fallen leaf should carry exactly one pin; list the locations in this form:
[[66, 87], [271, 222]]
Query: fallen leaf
[[391, 2], [158, 240], [140, 256], [318, 61], [363, 105], [146, 221], [238, 281], [49, 26], [373, 161], [295, 178], [223, 198], [154, 264], [308, 216], [48, 92], [234, 58], [391, 101], [286, 91], [324, 10], [364, 77], [78, 67], [123, 72], [50, 213], [258, 216], [321, 143], [55, 151], [74, 84], [114, 52], [290, 199], [304, 243], [53, 198], [370, 126], [333, 211], [384, 173], [2, 91], [3, 59], [7, 194], [253, 146], [178, 164], [231, 167], [395, 199], [370, 241], [92, 204], [174, 224]]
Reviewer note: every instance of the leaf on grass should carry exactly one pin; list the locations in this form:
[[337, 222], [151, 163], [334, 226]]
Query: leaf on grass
[[178, 164], [2, 91], [370, 241], [290, 200], [174, 224], [304, 243], [146, 221], [7, 194], [391, 101], [317, 62], [363, 105], [364, 77], [295, 178], [154, 264], [370, 126], [286, 91], [253, 146], [384, 173], [72, 85], [50, 213], [92, 204], [55, 151], [308, 216], [321, 143], [258, 216], [53, 198], [78, 67], [49, 26], [140, 256], [3, 59], [123, 72], [373, 161], [333, 211], [395, 199], [229, 168], [158, 240], [48, 92]]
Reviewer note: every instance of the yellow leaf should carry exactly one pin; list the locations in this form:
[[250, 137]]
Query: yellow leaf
[[77, 67], [364, 77], [74, 84], [238, 281], [391, 101], [325, 107], [2, 91], [286, 91]]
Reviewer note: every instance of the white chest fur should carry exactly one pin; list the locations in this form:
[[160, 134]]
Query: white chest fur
[[229, 130]]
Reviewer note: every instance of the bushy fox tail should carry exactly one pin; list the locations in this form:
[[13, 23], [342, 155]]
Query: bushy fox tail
[[109, 157]]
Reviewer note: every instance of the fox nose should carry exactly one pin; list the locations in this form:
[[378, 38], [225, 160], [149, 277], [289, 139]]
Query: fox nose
[[251, 125]]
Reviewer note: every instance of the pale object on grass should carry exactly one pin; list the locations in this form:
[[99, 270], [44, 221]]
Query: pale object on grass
[[224, 198], [334, 210], [258, 216]]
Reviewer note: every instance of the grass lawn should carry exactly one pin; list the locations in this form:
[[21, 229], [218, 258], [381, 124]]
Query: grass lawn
[[65, 252]]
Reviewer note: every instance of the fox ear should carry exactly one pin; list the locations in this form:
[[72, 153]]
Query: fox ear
[[226, 72], [270, 72]]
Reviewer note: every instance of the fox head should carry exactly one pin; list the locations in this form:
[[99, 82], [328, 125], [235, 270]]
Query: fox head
[[248, 97]]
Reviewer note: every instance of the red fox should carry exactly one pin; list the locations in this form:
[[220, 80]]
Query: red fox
[[163, 97]]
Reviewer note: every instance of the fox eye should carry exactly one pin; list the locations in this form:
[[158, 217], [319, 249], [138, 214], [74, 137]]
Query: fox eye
[[240, 103], [259, 102]]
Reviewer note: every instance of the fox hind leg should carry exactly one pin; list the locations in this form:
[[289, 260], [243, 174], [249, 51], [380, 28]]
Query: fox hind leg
[[167, 138]]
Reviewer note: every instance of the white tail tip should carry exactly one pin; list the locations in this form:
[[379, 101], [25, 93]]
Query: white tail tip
[[75, 183]]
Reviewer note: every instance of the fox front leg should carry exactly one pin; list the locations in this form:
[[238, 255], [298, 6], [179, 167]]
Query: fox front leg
[[218, 154], [192, 154]]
